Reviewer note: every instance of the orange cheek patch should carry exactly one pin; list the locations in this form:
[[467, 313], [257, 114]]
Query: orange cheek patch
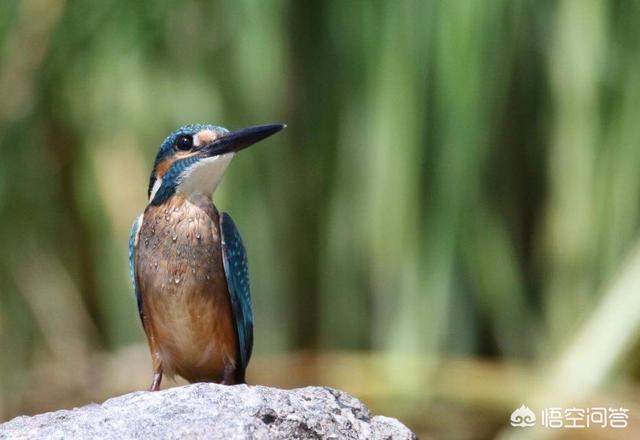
[[164, 166]]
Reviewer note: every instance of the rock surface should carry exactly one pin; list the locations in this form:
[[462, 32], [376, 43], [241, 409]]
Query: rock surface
[[210, 411]]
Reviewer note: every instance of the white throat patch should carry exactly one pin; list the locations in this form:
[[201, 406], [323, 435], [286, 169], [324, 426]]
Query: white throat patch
[[204, 176]]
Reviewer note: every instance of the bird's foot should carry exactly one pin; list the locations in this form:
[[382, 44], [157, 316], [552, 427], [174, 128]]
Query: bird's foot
[[229, 375], [155, 384]]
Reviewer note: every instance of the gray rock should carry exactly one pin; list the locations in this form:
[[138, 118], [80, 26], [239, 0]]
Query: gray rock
[[210, 411]]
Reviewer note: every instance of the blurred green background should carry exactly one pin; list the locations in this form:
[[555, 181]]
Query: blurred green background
[[448, 228]]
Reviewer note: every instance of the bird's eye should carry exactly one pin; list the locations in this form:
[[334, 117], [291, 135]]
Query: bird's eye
[[184, 143]]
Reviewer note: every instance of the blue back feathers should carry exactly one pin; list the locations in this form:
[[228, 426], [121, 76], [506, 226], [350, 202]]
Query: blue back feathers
[[236, 270], [132, 263]]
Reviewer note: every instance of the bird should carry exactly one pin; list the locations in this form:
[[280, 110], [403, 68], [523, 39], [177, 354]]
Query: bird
[[187, 262]]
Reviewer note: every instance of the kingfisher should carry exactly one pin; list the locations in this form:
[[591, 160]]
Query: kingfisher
[[188, 263]]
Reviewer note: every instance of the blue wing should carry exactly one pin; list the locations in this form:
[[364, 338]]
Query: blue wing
[[236, 270], [133, 235]]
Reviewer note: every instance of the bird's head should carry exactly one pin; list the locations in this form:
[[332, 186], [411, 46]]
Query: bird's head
[[193, 159]]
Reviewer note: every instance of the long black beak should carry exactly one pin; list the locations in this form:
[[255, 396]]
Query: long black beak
[[240, 139]]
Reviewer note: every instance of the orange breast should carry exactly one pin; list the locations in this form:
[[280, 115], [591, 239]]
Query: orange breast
[[184, 289]]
